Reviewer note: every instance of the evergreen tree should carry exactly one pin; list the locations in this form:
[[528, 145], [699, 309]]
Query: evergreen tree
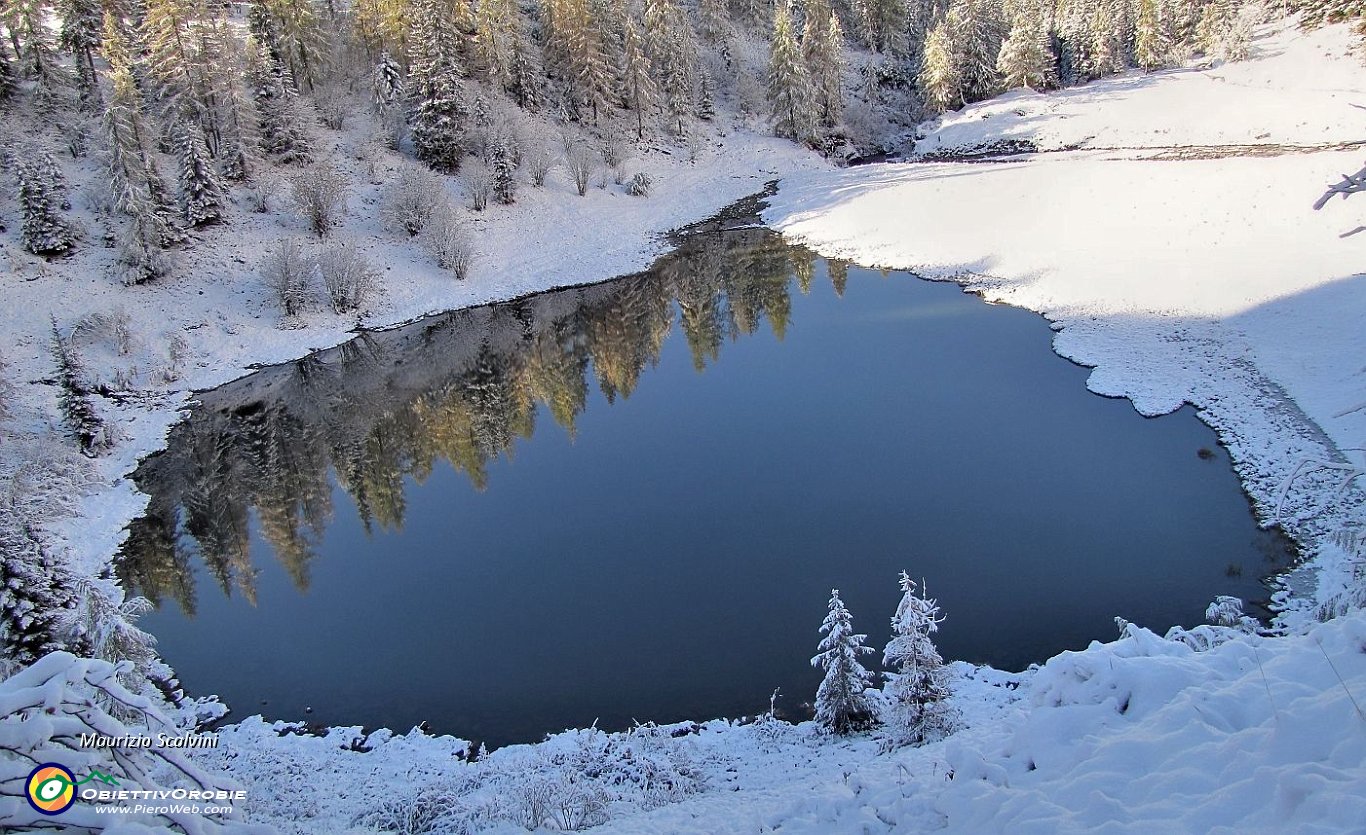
[[670, 45], [73, 398], [714, 18], [438, 119], [789, 86], [387, 84], [1152, 36], [7, 75], [523, 84], [841, 705], [975, 37], [134, 183], [44, 230], [82, 23], [201, 193], [173, 59], [236, 119], [37, 593], [26, 21], [280, 131], [500, 156], [919, 687], [940, 79], [636, 76], [495, 24], [823, 49], [300, 41], [1026, 59]]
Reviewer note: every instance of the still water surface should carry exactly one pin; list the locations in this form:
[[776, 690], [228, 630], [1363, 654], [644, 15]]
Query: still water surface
[[631, 500]]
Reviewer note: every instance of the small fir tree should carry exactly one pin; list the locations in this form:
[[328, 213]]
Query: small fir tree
[[37, 593], [280, 130], [1152, 36], [44, 231], [1026, 60], [201, 192], [73, 397], [940, 79], [637, 79], [841, 704], [918, 688]]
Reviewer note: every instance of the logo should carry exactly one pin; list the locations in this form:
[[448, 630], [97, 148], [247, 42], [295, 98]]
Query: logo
[[51, 787]]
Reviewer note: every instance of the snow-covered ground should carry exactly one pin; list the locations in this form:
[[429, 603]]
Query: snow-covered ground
[[1203, 280]]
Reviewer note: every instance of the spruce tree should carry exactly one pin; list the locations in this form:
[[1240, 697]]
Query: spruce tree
[[940, 79], [919, 686], [44, 231], [279, 128], [37, 592], [82, 23], [823, 49], [714, 17], [637, 77], [1152, 36], [841, 705], [439, 116], [501, 158], [495, 24], [73, 398], [26, 21], [789, 86], [1025, 59], [975, 34], [201, 193], [173, 59], [387, 84], [672, 50]]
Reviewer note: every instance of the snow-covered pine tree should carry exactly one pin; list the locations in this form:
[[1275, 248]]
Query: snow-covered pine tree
[[27, 24], [672, 49], [495, 25], [918, 687], [236, 118], [525, 77], [387, 84], [940, 79], [1153, 41], [439, 115], [82, 23], [169, 34], [44, 232], [1112, 37], [73, 398], [823, 49], [975, 35], [637, 79], [280, 129], [500, 155], [789, 86], [714, 19], [841, 705], [134, 183], [37, 592], [300, 38], [201, 193], [7, 74], [1026, 59]]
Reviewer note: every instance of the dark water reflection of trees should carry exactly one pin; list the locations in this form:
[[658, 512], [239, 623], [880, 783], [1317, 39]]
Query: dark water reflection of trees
[[461, 388]]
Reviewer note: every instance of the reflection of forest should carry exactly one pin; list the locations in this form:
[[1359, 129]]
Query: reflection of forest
[[460, 387]]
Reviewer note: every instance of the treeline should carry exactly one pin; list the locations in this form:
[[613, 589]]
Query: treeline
[[467, 389]]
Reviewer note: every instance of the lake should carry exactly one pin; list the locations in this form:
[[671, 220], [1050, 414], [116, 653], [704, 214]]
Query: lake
[[629, 501]]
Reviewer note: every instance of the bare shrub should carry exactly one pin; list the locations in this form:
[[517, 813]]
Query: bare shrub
[[116, 326], [411, 200], [262, 193], [615, 149], [333, 102], [347, 277], [319, 193], [581, 162], [285, 270], [539, 160], [478, 181], [177, 353], [444, 237], [640, 185]]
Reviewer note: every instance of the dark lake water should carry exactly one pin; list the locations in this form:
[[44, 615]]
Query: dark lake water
[[631, 501]]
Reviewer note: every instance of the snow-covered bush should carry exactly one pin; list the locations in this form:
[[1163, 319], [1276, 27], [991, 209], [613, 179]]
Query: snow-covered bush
[[540, 158], [285, 271], [478, 182], [918, 691], [841, 704], [411, 200], [177, 352], [50, 704], [347, 277], [333, 103], [444, 237], [319, 193], [115, 325], [640, 185]]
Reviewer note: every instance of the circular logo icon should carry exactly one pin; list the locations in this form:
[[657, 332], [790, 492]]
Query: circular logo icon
[[51, 788]]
